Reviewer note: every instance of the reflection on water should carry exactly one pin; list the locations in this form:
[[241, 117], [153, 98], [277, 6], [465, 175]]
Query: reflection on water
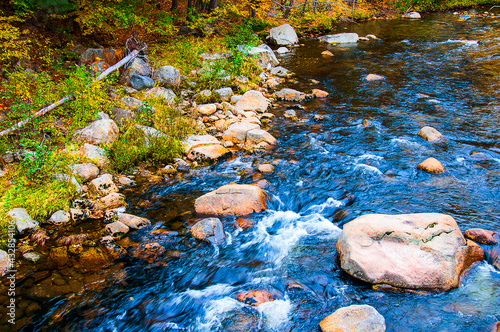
[[438, 71]]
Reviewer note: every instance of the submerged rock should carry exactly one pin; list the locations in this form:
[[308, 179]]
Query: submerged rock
[[132, 221], [209, 229], [374, 77], [117, 229], [413, 251], [231, 200], [255, 298], [317, 93], [354, 318]]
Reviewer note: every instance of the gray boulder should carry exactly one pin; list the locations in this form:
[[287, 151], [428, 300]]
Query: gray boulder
[[22, 219], [167, 76], [279, 71], [263, 57], [209, 229], [413, 15], [340, 38], [100, 131], [290, 95], [161, 93], [104, 185], [87, 171], [130, 102], [140, 82], [224, 93], [60, 217], [122, 116], [94, 153], [136, 67], [283, 35]]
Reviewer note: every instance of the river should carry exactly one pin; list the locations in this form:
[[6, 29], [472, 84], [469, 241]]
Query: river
[[439, 71]]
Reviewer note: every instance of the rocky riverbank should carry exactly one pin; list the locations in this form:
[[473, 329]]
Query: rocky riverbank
[[234, 124]]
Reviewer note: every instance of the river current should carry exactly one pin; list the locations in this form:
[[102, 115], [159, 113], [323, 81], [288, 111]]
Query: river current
[[441, 71]]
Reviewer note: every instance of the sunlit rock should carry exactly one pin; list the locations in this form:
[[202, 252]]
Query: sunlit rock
[[231, 200], [354, 318], [283, 35], [255, 298], [431, 165], [430, 134], [412, 251], [340, 38], [100, 131]]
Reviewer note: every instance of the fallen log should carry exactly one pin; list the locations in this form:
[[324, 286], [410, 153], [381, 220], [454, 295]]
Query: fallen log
[[46, 109]]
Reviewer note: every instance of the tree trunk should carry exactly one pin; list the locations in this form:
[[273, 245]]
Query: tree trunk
[[212, 5], [174, 6]]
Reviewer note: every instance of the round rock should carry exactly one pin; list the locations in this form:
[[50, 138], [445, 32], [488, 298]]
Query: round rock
[[431, 165], [209, 229], [355, 318]]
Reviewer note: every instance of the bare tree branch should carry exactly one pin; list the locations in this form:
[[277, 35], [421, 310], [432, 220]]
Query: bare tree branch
[[47, 109]]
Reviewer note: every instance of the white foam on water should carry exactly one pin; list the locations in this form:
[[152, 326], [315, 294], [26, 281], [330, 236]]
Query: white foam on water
[[404, 141], [368, 156], [462, 41], [300, 183], [460, 159], [229, 238], [278, 232], [215, 311], [330, 203], [275, 313], [210, 291]]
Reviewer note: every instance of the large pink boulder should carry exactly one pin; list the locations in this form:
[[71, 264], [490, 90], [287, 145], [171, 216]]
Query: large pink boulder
[[231, 200], [413, 251]]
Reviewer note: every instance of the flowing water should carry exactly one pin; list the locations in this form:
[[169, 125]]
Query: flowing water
[[439, 71]]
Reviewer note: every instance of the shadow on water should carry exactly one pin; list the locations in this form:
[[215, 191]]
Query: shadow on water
[[327, 173]]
